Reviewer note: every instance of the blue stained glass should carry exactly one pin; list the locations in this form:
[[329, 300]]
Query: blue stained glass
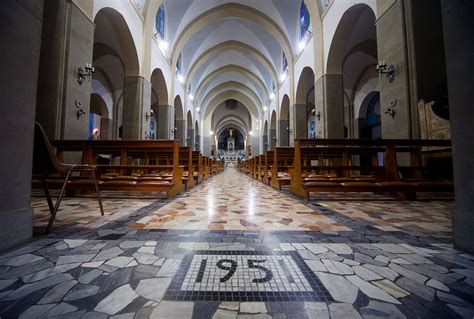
[[305, 20], [160, 21], [178, 64], [285, 63], [373, 112]]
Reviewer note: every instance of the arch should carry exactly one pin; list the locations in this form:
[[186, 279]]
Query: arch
[[356, 26], [178, 108], [229, 46], [98, 106], [158, 86], [232, 10], [189, 120], [305, 83], [284, 123], [122, 37], [273, 120], [370, 117], [226, 91], [229, 68]]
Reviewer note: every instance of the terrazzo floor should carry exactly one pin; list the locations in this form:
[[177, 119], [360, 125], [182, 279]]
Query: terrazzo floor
[[232, 247]]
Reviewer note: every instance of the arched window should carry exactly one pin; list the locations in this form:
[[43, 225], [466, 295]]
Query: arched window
[[160, 21], [305, 21]]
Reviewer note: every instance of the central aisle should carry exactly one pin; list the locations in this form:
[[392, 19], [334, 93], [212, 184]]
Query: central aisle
[[234, 201]]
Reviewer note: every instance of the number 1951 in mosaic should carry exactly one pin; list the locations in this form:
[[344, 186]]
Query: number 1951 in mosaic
[[245, 276]]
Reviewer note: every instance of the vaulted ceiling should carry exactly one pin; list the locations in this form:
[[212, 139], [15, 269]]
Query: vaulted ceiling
[[230, 48]]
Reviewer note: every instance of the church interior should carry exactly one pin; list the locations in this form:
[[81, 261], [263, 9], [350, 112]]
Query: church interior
[[237, 159]]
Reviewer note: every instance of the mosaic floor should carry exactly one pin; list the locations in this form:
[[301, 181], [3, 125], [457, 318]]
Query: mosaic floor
[[234, 248]]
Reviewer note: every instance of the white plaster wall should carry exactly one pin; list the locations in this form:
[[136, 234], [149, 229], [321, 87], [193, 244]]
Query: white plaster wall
[[306, 59]]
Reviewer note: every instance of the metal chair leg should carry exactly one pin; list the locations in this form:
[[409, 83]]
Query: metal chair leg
[[58, 201], [48, 196], [97, 192]]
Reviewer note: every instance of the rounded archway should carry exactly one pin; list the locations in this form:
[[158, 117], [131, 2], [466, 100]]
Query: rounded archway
[[305, 119], [98, 118], [353, 57], [159, 100], [284, 123], [370, 125], [272, 133], [179, 122]]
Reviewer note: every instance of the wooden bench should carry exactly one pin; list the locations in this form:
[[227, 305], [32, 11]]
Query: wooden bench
[[130, 165], [282, 159], [334, 170]]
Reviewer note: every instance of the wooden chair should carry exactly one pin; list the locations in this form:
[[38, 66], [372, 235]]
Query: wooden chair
[[45, 164]]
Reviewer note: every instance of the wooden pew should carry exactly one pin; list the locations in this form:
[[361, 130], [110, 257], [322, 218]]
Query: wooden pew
[[186, 160], [282, 159], [335, 171], [143, 166], [267, 167], [198, 167]]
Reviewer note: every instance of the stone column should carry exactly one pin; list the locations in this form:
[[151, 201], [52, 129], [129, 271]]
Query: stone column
[[300, 127], [20, 31], [67, 45], [180, 132], [458, 24], [272, 138], [256, 147], [197, 142], [165, 116], [190, 138], [393, 47], [329, 105], [265, 143], [284, 135], [206, 145], [136, 102]]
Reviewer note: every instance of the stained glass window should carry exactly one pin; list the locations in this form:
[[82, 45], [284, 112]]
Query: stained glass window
[[305, 21], [285, 63], [160, 22]]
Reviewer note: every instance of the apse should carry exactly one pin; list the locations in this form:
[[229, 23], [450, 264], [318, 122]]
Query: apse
[[231, 133]]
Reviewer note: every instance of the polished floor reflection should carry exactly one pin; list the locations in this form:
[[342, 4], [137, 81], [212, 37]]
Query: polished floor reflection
[[235, 248], [232, 201]]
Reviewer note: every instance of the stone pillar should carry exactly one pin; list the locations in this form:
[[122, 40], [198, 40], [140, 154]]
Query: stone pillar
[[256, 147], [265, 143], [20, 33], [284, 138], [197, 142], [67, 45], [329, 104], [272, 138], [206, 145], [392, 47], [458, 24], [165, 116], [136, 102], [190, 138], [300, 127], [106, 129], [180, 130]]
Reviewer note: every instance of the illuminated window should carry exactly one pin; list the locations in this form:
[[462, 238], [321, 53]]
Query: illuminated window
[[305, 21], [160, 21]]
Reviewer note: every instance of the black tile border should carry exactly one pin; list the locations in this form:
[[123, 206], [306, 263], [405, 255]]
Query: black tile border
[[319, 293]]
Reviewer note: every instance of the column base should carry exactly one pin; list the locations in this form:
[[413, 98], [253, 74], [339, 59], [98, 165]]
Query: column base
[[463, 226]]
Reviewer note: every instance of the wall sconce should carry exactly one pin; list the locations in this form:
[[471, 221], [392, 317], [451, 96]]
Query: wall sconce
[[317, 115], [289, 130], [173, 130], [82, 74], [274, 138], [79, 111], [391, 109], [149, 115], [388, 70]]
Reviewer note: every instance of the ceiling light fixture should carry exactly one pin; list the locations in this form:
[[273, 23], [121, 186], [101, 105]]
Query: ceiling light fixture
[[180, 78], [191, 97], [302, 45], [211, 132], [163, 45], [272, 96], [250, 133], [265, 108], [198, 109], [283, 77]]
